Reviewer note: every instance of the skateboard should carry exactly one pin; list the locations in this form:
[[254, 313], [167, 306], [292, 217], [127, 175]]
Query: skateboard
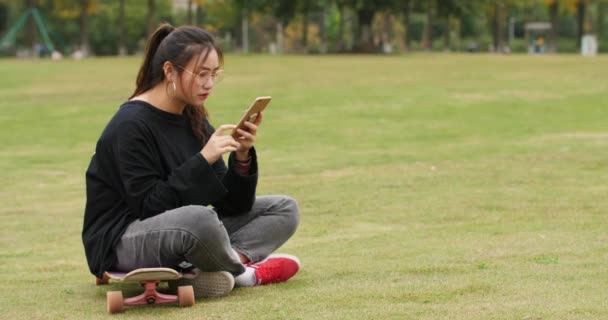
[[149, 278]]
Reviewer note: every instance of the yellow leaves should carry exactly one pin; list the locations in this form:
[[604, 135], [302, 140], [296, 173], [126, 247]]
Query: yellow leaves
[[211, 28], [571, 4], [93, 6], [71, 9]]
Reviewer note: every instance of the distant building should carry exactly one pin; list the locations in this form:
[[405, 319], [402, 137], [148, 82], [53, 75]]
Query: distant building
[[183, 5]]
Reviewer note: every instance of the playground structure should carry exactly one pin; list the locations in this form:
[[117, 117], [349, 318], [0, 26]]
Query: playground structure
[[536, 33], [9, 39]]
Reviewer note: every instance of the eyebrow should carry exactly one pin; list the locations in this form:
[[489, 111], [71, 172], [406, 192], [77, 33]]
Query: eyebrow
[[208, 69]]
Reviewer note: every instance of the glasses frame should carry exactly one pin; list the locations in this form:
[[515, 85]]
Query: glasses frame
[[218, 74]]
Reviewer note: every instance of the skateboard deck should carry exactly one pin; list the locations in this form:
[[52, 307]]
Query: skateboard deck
[[149, 278], [143, 274]]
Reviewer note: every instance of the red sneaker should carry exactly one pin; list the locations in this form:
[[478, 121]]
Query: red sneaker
[[276, 268]]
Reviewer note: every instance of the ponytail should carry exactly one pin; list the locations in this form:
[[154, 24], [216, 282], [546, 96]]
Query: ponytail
[[150, 73]]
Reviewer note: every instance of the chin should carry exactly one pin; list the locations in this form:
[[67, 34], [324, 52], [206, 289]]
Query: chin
[[196, 103]]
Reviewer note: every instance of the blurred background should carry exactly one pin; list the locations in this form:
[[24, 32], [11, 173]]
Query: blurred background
[[80, 28]]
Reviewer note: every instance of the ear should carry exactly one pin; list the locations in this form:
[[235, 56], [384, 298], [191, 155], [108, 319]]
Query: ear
[[169, 71]]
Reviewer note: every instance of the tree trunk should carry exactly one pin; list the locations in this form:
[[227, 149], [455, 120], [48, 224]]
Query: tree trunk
[[407, 37], [199, 15], [189, 17], [3, 17], [280, 45], [84, 27], [427, 37], [580, 22], [150, 18], [364, 31], [245, 31], [553, 16], [122, 30], [444, 10], [446, 34], [304, 39], [341, 43], [458, 33], [322, 33], [601, 11], [387, 33], [499, 26]]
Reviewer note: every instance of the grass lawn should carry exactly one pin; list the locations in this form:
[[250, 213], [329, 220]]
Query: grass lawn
[[431, 186]]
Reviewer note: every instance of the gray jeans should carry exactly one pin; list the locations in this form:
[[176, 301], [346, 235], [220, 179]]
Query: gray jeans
[[196, 234]]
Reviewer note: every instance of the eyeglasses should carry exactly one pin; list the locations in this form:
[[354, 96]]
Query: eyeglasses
[[203, 76]]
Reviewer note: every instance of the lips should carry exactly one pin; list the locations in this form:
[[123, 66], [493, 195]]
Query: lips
[[203, 96]]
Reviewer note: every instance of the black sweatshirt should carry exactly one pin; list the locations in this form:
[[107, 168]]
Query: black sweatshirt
[[148, 161]]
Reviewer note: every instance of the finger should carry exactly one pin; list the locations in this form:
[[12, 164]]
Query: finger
[[251, 127], [223, 128], [245, 134], [247, 144], [258, 120], [228, 149], [225, 140], [230, 141]]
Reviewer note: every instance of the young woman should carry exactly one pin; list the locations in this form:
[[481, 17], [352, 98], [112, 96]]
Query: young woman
[[158, 168]]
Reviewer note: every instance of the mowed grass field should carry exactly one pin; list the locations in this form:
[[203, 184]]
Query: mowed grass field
[[430, 186]]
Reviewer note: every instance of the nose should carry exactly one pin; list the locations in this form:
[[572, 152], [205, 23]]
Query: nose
[[209, 83]]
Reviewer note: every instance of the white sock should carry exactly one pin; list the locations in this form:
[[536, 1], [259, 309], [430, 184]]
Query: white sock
[[246, 279]]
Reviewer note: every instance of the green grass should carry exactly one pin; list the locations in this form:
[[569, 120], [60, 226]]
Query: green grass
[[431, 186]]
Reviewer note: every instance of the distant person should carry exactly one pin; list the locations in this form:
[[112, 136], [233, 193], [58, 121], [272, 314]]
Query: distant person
[[158, 167], [539, 45], [41, 50]]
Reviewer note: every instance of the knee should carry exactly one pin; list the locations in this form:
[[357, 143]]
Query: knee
[[291, 213], [201, 223]]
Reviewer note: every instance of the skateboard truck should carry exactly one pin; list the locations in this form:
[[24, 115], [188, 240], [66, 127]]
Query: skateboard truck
[[149, 278]]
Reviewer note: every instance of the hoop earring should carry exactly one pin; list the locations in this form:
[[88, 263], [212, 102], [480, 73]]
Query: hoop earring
[[174, 90]]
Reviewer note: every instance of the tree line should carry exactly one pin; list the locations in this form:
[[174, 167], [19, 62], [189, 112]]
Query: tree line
[[110, 27]]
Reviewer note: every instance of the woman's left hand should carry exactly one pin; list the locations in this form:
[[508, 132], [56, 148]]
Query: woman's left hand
[[247, 138]]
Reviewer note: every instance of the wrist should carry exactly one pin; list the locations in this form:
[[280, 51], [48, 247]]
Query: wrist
[[242, 156], [208, 158]]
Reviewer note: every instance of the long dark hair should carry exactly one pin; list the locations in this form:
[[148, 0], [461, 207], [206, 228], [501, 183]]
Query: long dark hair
[[178, 46]]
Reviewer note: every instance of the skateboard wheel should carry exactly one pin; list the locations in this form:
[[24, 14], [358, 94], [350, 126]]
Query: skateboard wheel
[[185, 296], [114, 301], [100, 282]]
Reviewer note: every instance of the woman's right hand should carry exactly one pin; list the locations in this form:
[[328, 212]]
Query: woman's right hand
[[220, 143]]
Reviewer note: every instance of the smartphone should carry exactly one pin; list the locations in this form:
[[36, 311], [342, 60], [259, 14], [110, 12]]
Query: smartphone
[[258, 105]]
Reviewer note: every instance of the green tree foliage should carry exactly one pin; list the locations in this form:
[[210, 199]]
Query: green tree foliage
[[3, 17], [313, 25]]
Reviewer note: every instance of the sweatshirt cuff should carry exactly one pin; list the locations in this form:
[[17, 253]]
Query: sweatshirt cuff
[[238, 166]]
